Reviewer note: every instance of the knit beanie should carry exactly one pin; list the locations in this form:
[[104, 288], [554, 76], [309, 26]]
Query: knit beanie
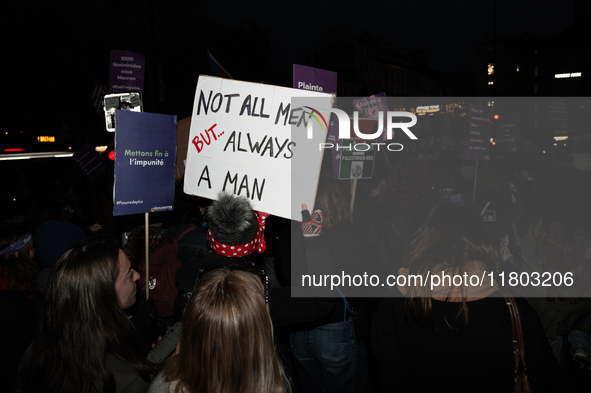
[[234, 228], [54, 237]]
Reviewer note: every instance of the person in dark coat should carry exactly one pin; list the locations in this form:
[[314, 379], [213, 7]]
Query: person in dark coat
[[456, 337]]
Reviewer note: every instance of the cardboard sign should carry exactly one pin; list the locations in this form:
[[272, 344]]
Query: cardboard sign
[[89, 162], [356, 164], [478, 147], [489, 215], [248, 139], [145, 154], [557, 113], [127, 71], [507, 133]]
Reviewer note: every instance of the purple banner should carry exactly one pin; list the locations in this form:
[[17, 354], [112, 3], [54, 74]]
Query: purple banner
[[127, 71], [507, 133], [370, 107], [310, 78], [316, 79], [478, 147], [145, 157]]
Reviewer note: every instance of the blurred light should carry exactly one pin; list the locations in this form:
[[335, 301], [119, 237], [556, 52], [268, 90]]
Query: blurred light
[[568, 75], [14, 158], [27, 156], [100, 149], [496, 117], [13, 149], [560, 138], [112, 155], [45, 138]]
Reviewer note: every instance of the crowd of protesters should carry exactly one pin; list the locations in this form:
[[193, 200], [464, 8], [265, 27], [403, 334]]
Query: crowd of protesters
[[75, 317]]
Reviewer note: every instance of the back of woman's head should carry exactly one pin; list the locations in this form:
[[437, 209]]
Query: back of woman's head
[[227, 338], [82, 322], [17, 268], [82, 283], [452, 238]]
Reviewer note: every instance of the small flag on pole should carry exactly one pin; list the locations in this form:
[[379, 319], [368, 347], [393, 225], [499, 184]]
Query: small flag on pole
[[96, 96], [216, 69]]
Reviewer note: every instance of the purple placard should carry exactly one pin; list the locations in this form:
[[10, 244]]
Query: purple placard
[[145, 157], [478, 147], [507, 133], [127, 71], [369, 108], [89, 162], [316, 79]]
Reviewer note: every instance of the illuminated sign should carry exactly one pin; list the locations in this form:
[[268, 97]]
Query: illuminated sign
[[46, 139], [568, 75], [424, 109]]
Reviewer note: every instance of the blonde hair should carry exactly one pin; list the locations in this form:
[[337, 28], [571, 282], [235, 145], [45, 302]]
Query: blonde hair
[[227, 339]]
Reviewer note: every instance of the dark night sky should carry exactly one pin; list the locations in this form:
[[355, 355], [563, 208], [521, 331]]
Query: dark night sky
[[448, 31], [55, 49]]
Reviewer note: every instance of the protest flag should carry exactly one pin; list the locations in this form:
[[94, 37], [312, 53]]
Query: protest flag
[[216, 69]]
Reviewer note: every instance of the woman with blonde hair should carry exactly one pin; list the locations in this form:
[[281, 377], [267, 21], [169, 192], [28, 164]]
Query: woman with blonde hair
[[445, 333], [226, 340]]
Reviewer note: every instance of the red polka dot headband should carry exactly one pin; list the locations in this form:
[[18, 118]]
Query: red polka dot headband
[[258, 243]]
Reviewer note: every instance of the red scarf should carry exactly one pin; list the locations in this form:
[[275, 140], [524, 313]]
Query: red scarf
[[258, 243]]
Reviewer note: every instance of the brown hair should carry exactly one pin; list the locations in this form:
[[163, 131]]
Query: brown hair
[[81, 323], [452, 239], [21, 270], [333, 202], [227, 338]]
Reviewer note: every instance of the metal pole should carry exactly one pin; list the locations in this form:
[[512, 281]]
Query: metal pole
[[147, 236]]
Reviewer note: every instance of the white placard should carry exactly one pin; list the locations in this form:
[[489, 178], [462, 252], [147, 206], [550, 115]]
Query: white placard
[[243, 140]]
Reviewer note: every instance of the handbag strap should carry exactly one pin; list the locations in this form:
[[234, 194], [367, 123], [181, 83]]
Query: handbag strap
[[518, 343]]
